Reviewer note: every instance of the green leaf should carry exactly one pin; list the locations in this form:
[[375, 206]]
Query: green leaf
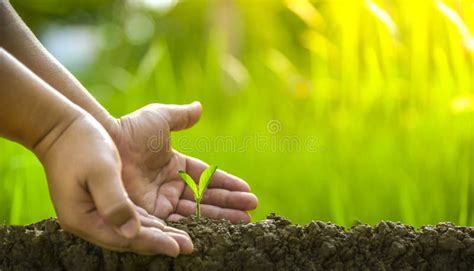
[[190, 182], [205, 179]]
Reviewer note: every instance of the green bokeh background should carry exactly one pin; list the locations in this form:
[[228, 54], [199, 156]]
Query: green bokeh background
[[331, 110]]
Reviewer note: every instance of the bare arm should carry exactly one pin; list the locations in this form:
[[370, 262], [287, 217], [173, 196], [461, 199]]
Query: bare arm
[[31, 112], [82, 166], [18, 40]]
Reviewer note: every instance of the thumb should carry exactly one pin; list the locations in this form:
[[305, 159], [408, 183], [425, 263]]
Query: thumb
[[181, 117], [112, 202]]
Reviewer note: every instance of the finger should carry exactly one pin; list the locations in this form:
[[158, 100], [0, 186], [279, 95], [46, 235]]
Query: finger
[[184, 242], [220, 179], [154, 241], [141, 211], [175, 217], [187, 208], [225, 199], [175, 230], [149, 221], [149, 240], [112, 201], [181, 237], [181, 117]]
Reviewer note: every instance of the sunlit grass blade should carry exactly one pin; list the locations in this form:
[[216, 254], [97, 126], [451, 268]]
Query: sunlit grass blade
[[205, 179], [383, 16], [461, 26]]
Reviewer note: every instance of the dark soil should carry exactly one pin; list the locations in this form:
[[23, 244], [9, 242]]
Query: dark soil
[[271, 244]]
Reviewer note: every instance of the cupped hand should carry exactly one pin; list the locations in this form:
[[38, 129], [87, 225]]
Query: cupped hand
[[150, 167], [83, 169]]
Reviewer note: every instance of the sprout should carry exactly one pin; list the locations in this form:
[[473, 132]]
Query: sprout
[[198, 190]]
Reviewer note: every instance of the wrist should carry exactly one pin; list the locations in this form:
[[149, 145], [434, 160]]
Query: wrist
[[46, 141]]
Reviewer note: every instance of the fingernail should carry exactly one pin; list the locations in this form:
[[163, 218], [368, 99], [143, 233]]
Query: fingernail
[[129, 229]]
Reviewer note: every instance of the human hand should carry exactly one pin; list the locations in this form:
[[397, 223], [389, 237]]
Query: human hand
[[150, 173], [83, 169]]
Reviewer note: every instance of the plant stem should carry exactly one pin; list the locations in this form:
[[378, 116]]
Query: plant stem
[[198, 209]]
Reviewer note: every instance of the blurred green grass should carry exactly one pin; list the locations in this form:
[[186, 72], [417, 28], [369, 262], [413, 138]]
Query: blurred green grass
[[384, 88]]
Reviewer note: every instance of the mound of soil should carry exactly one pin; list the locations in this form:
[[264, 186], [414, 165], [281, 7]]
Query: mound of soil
[[271, 244]]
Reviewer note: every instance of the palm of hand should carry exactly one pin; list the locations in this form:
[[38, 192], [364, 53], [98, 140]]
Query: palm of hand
[[150, 167]]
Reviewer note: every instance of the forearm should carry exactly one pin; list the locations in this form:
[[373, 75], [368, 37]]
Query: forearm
[[31, 112], [19, 41]]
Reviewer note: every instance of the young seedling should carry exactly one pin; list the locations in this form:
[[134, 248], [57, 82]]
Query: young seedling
[[198, 190]]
